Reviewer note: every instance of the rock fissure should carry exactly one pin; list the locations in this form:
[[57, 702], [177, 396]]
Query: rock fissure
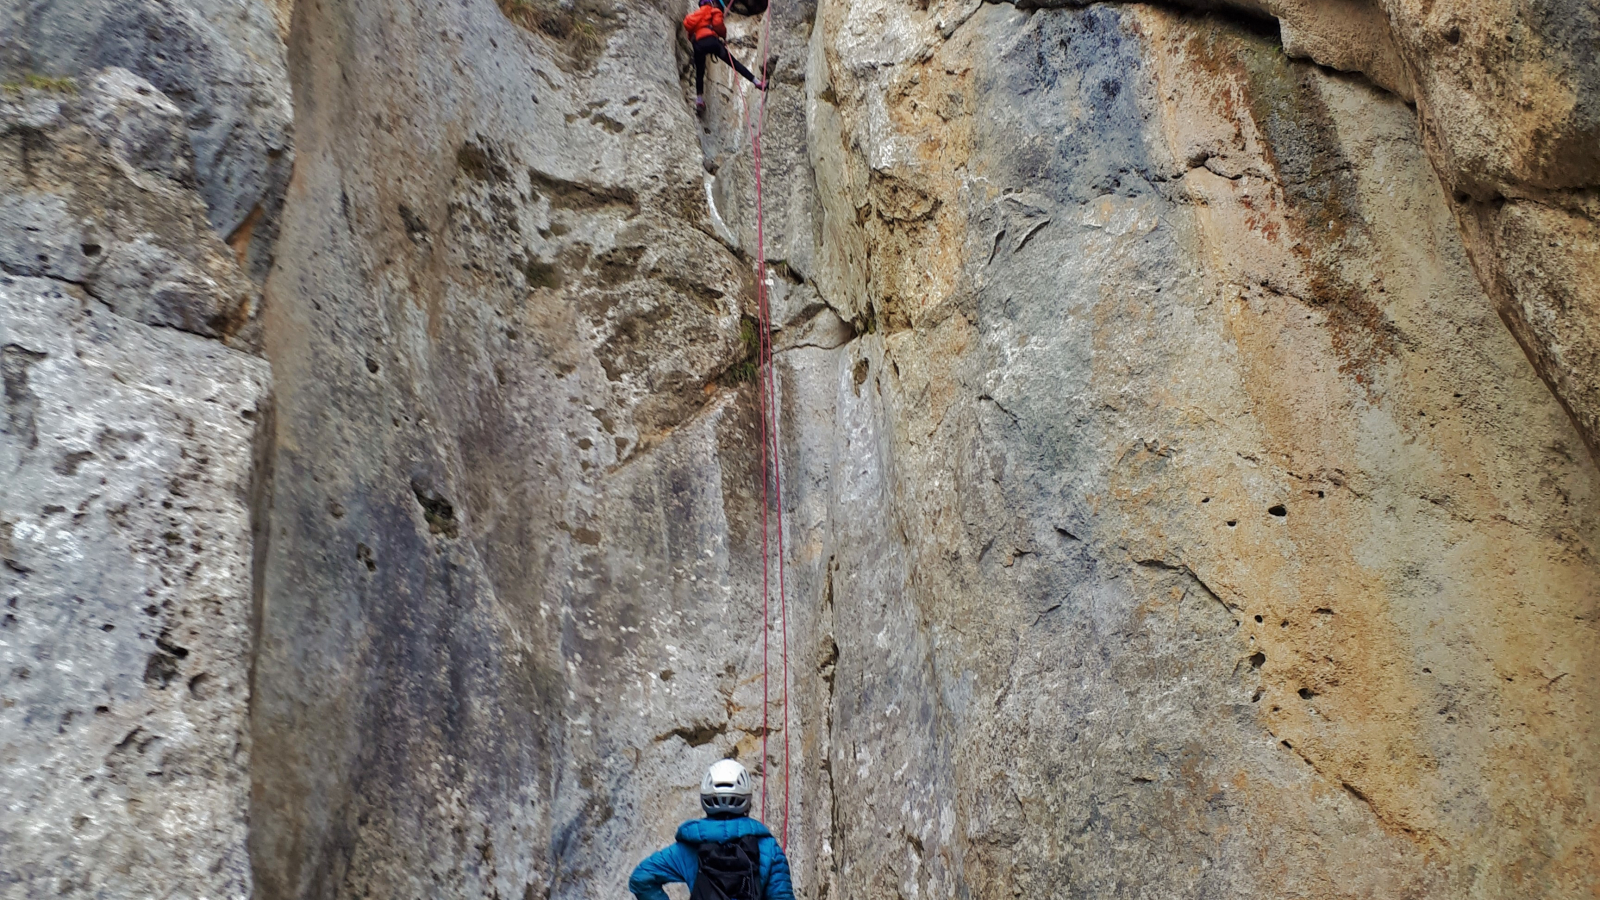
[[86, 289]]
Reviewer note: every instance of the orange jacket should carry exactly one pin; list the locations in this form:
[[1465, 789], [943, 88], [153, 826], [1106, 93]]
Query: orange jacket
[[705, 22]]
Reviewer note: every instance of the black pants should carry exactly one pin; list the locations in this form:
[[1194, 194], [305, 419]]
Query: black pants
[[713, 46]]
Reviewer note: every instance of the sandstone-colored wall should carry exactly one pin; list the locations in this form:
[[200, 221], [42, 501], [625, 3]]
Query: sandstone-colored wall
[[1211, 486], [1508, 97]]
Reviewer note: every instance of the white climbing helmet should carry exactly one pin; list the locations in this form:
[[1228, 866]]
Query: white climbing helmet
[[726, 789]]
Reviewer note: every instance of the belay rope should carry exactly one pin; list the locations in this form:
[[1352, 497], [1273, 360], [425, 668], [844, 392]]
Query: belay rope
[[773, 474]]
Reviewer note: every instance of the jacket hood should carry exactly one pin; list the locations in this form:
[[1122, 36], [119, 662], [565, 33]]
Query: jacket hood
[[716, 831]]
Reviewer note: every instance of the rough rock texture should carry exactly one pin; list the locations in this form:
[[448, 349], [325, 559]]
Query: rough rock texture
[[99, 193], [1167, 511], [222, 62], [129, 460], [509, 612], [1348, 35], [1508, 96], [127, 455], [1205, 533], [1510, 101]]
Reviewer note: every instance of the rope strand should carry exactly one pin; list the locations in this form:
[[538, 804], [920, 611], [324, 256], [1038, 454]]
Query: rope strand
[[765, 592], [769, 432]]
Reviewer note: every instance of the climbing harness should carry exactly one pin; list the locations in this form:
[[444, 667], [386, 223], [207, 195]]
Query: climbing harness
[[769, 442]]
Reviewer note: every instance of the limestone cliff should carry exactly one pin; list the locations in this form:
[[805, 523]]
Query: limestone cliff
[[132, 442], [1181, 414], [1170, 509]]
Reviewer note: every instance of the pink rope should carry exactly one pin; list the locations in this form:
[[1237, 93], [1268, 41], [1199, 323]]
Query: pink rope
[[769, 433]]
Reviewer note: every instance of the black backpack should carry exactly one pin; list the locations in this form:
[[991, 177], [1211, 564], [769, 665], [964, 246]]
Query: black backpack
[[730, 871]]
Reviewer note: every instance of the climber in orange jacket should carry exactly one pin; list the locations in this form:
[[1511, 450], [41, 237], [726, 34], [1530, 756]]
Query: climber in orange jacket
[[706, 32]]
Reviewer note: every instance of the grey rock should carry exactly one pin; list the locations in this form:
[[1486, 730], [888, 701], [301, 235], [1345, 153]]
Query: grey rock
[[825, 330], [125, 531], [143, 281], [509, 603], [98, 194], [222, 63], [129, 454], [1509, 103], [139, 124], [1102, 333], [39, 237], [1165, 512]]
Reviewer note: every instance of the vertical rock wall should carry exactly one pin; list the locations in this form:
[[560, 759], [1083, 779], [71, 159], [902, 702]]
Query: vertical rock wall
[[221, 63], [125, 641], [510, 607], [1509, 100], [129, 437], [1167, 510], [143, 151], [1208, 488]]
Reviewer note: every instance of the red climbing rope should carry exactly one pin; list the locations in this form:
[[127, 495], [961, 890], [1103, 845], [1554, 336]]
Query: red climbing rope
[[766, 628], [769, 437]]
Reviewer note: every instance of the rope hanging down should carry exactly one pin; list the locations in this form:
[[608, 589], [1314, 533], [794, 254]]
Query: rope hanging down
[[769, 450]]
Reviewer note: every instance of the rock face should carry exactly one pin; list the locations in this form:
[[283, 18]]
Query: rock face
[[126, 536], [134, 139], [1510, 103], [508, 614], [1508, 96], [99, 193], [129, 443], [1187, 549], [221, 62], [1168, 509]]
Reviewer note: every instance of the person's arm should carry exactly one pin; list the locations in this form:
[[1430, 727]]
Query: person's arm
[[778, 886], [659, 868], [717, 25]]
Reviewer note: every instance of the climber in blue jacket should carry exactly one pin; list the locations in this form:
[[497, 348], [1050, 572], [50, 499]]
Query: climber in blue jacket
[[725, 855]]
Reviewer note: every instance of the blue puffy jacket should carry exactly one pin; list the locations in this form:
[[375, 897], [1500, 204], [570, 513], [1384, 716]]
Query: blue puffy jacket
[[680, 862]]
